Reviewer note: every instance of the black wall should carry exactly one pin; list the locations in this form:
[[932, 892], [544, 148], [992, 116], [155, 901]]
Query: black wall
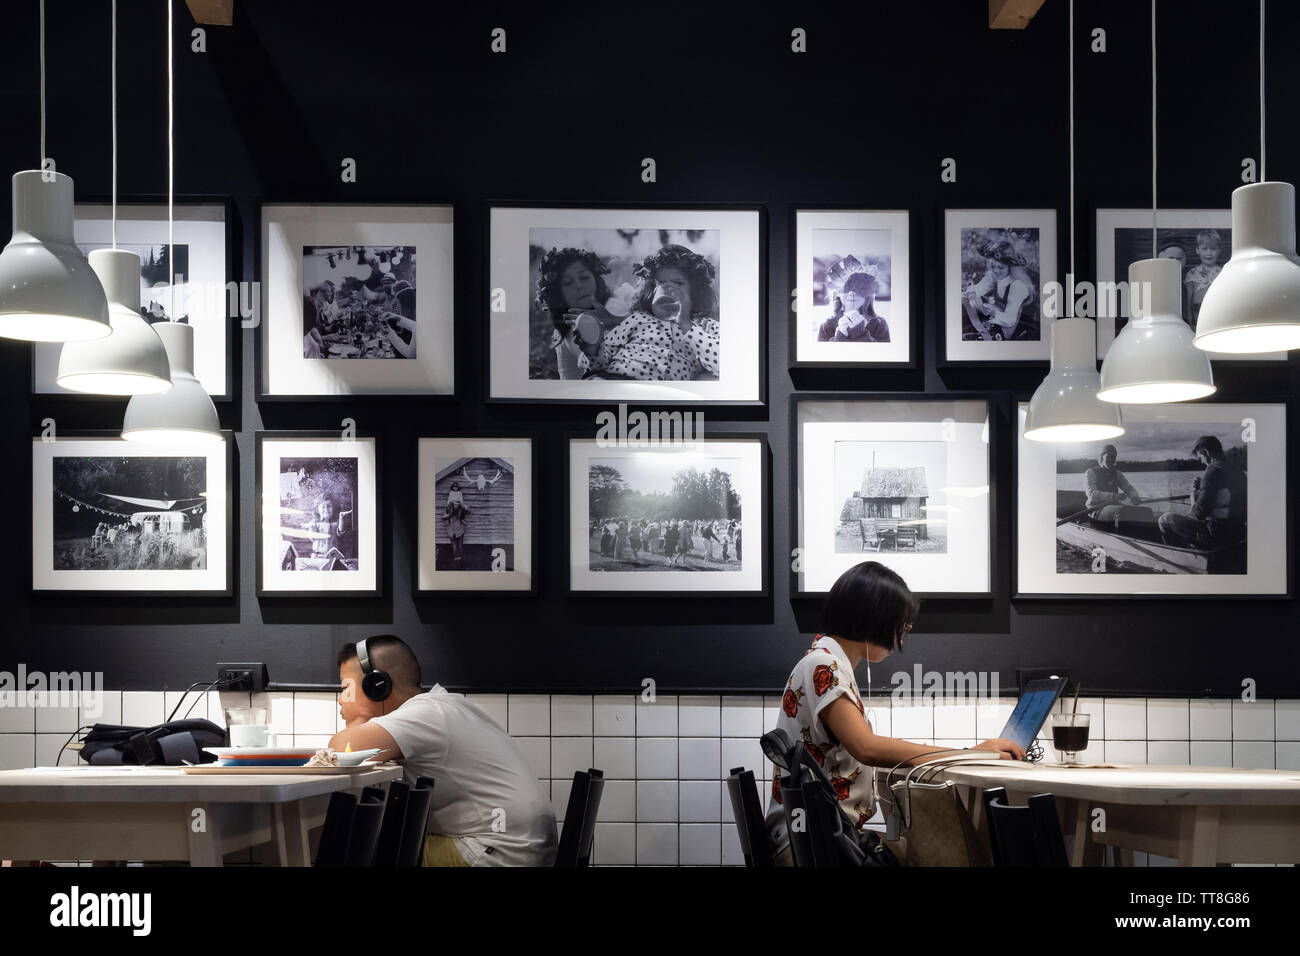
[[585, 91]]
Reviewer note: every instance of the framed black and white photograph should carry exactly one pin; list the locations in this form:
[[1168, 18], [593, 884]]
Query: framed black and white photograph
[[905, 482], [358, 302], [475, 520], [626, 304], [678, 519], [1199, 239], [997, 263], [319, 515], [128, 518], [203, 296], [851, 300], [1190, 500]]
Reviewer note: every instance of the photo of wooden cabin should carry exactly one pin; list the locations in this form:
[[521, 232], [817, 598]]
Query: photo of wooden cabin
[[484, 519]]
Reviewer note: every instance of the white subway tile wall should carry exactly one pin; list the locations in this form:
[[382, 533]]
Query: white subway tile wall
[[665, 760]]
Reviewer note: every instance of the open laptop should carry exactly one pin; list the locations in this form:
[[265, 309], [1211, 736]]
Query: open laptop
[[1031, 711]]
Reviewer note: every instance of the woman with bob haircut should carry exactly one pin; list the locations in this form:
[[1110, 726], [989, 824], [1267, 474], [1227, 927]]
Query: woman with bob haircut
[[867, 614]]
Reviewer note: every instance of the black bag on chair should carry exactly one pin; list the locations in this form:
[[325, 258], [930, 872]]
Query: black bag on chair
[[171, 743]]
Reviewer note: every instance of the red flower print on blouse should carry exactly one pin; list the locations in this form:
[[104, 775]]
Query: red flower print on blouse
[[790, 703], [816, 753], [823, 679], [862, 820], [776, 789], [841, 786], [858, 702]]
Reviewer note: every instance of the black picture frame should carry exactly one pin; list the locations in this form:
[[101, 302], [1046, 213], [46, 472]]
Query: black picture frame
[[231, 500], [764, 593], [259, 344], [1035, 598], [234, 352], [259, 438], [996, 410], [916, 300], [763, 319], [506, 434], [938, 292]]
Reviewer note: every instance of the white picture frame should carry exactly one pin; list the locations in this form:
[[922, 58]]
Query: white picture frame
[[499, 558], [1174, 226], [513, 291], [1045, 567], [283, 370], [868, 236], [957, 223], [107, 504], [204, 297], [843, 442]]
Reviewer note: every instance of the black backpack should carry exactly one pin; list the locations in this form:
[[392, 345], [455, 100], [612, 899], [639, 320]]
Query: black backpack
[[171, 743]]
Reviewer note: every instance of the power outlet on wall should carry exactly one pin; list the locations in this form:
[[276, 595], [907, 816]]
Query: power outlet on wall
[[249, 677]]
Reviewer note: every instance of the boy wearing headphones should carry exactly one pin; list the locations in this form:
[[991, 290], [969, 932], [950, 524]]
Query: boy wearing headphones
[[488, 808]]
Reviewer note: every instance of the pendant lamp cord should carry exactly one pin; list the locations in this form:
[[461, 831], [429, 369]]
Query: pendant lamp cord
[[171, 166], [1155, 248], [1262, 178], [42, 162], [1069, 299], [114, 89]]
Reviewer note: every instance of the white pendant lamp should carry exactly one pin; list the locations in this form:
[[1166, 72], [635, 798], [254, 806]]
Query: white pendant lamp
[[1065, 406], [184, 415], [47, 291], [131, 361], [1253, 305], [1153, 359]]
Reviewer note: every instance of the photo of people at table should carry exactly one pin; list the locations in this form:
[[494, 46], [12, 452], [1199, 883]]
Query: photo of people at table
[[654, 513], [358, 302]]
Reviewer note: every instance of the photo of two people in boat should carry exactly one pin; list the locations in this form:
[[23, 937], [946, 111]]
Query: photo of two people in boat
[[1168, 498]]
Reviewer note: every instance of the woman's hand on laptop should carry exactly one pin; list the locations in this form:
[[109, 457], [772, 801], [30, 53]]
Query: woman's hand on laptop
[[1005, 749]]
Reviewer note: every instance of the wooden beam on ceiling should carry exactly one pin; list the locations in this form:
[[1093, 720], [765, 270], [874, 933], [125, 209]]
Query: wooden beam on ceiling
[[217, 13], [1012, 14]]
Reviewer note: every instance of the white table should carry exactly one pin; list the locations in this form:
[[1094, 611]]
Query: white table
[[1200, 816], [147, 813]]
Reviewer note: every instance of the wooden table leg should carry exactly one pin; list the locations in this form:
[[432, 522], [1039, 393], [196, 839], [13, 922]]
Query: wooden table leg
[[1087, 852], [291, 839], [205, 841], [1198, 836]]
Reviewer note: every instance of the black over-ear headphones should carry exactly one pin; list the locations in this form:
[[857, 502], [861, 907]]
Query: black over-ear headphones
[[375, 682]]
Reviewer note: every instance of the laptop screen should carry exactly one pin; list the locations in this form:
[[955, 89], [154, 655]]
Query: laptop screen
[[1031, 710]]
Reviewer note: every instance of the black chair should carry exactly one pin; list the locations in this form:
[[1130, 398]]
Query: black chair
[[820, 833], [749, 817], [333, 846], [373, 793], [363, 839], [580, 819], [418, 804], [989, 795], [1028, 835], [390, 830]]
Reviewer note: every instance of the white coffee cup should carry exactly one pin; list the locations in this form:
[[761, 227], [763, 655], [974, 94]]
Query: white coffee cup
[[251, 735]]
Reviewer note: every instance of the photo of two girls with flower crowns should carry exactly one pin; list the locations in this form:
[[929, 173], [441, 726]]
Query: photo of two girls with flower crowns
[[624, 304]]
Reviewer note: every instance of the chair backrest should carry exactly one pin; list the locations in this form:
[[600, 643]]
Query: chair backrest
[[333, 846], [580, 819], [820, 833], [367, 817], [748, 812], [989, 795], [1028, 835], [417, 822], [390, 830], [373, 793]]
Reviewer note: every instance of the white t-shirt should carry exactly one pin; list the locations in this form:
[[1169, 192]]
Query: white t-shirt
[[822, 675], [485, 796]]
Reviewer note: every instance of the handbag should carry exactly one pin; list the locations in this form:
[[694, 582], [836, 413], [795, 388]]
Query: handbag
[[171, 743], [933, 820]]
